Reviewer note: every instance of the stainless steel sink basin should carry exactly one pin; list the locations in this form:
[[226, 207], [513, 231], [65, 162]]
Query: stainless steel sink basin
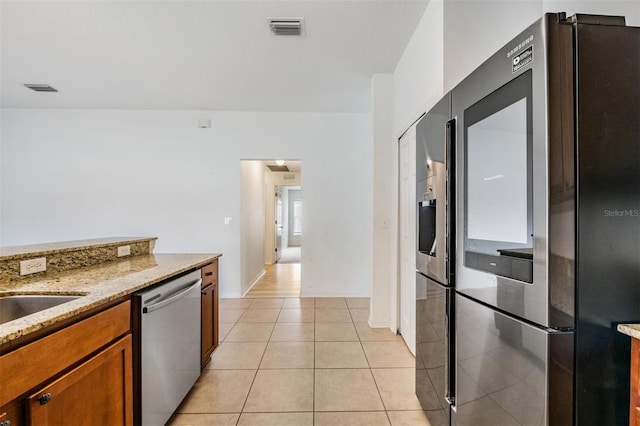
[[14, 307]]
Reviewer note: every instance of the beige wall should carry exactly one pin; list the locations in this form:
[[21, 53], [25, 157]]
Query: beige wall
[[252, 198]]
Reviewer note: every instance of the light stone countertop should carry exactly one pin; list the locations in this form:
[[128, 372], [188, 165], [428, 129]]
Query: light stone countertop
[[632, 330], [35, 250], [97, 285]]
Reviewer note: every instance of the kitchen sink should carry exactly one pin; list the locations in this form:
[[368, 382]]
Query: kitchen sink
[[14, 307]]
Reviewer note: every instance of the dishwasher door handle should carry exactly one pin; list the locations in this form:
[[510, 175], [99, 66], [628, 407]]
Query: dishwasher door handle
[[171, 299]]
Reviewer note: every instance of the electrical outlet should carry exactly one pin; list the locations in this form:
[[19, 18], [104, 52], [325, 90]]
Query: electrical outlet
[[124, 251], [32, 266]]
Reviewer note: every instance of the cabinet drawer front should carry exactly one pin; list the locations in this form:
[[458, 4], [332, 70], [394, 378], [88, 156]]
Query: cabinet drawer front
[[210, 274], [26, 367], [99, 391]]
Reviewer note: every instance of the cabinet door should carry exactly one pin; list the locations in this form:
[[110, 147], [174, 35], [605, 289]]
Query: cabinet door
[[207, 324], [12, 414], [216, 297], [97, 392], [634, 410]]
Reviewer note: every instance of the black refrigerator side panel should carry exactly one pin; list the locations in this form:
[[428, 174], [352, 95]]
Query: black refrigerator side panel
[[434, 306], [608, 217]]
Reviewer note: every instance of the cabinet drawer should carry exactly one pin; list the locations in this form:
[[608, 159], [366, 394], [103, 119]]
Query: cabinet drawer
[[32, 364], [210, 274]]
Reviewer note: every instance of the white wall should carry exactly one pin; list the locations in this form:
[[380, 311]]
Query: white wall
[[418, 78], [252, 195], [73, 174], [398, 100], [475, 29], [383, 202]]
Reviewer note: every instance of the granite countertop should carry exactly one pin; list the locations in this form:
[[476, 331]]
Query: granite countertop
[[97, 285], [632, 330], [35, 250]]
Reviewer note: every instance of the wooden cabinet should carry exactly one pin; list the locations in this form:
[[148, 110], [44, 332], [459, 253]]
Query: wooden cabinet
[[12, 414], [209, 336], [634, 410], [98, 391], [81, 374]]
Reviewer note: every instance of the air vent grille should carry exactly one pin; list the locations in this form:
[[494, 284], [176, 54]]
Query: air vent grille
[[289, 176], [41, 87], [278, 168], [286, 26]]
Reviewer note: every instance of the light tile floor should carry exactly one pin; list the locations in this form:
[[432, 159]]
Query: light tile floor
[[303, 362]]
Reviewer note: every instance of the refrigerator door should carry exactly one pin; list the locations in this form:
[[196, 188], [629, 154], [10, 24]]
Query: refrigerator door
[[509, 372], [434, 328], [504, 256], [433, 165]]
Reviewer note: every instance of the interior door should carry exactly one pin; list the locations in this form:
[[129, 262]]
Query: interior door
[[278, 224], [407, 216]]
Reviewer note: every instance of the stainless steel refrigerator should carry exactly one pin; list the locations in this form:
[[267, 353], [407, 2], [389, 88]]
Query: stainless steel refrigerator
[[547, 213], [435, 261]]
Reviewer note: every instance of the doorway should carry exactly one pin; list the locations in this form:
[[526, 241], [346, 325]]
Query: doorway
[[288, 224], [280, 237]]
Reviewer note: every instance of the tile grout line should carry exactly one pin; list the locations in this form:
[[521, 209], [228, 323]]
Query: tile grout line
[[315, 369], [373, 377], [256, 374]]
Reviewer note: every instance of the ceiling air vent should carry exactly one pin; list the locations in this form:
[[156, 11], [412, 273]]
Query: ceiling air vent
[[278, 168], [286, 26], [289, 176], [41, 87]]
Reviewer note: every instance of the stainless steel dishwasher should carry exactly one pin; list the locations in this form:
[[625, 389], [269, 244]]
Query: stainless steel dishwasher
[[166, 347]]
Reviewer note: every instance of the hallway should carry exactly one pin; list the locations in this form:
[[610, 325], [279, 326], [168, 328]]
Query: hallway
[[281, 279]]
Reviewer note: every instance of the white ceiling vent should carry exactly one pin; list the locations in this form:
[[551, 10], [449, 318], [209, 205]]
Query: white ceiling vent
[[286, 26]]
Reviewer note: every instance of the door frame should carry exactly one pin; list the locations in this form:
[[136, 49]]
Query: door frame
[[410, 336], [278, 225]]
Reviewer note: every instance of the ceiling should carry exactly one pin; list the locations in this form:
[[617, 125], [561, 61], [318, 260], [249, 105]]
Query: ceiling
[[200, 55]]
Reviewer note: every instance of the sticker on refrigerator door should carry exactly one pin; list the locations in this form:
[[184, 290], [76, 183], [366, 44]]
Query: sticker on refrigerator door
[[522, 59]]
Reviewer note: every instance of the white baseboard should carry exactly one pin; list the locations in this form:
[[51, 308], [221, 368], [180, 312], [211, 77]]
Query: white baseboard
[[379, 324], [304, 293], [254, 281]]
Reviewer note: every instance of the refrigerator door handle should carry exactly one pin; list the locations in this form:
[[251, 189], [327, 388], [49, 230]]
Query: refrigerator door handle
[[449, 384], [450, 207]]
